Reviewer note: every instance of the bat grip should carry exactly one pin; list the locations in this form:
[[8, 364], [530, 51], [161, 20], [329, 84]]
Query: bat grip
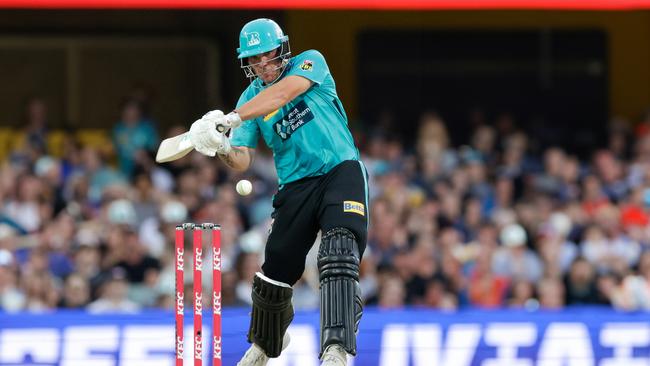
[[224, 129]]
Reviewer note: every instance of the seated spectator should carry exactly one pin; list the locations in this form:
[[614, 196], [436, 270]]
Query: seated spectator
[[391, 293], [76, 292], [113, 295], [513, 259], [522, 295], [99, 175], [593, 196], [630, 291], [486, 289], [606, 252], [12, 298], [550, 293], [610, 172], [438, 296], [36, 126], [156, 233], [580, 284], [550, 180], [553, 247]]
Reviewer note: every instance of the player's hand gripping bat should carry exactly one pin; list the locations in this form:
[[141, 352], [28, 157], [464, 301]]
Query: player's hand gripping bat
[[176, 147]]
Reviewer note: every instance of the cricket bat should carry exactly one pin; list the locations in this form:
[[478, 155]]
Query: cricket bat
[[174, 148]]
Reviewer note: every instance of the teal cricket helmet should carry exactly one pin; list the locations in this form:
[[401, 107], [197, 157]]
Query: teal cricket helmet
[[259, 36]]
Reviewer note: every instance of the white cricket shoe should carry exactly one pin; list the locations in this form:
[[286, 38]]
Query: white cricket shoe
[[255, 356], [334, 355]]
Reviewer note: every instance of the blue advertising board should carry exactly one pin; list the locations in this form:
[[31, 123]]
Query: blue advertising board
[[408, 337]]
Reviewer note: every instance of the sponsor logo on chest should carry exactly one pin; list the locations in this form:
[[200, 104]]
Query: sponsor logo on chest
[[296, 117]]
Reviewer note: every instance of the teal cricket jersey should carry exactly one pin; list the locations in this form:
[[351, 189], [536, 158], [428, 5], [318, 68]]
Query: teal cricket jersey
[[308, 136]]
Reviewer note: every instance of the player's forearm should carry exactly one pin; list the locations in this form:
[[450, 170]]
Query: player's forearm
[[239, 158], [264, 103], [274, 97]]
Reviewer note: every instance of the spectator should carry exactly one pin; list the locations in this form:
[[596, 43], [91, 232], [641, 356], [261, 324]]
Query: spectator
[[76, 293], [438, 296], [522, 295], [449, 224], [513, 259], [550, 181], [113, 296], [608, 252], [580, 284], [552, 244], [11, 297], [391, 293], [36, 126], [486, 289], [610, 171], [551, 293], [132, 134]]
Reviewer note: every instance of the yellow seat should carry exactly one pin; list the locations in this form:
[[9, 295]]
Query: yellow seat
[[6, 134], [18, 140], [97, 138], [55, 143]]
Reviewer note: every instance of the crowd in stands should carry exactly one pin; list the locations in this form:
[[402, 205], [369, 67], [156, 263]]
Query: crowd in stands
[[497, 222]]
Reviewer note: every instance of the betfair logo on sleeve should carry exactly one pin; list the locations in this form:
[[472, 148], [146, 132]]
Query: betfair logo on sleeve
[[354, 207]]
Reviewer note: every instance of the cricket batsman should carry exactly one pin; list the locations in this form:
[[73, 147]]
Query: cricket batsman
[[293, 105]]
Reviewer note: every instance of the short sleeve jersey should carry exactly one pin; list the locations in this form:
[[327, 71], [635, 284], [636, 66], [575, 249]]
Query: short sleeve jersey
[[308, 136]]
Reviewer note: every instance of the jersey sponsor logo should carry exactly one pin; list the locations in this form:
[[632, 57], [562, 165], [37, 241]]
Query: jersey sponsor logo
[[268, 116], [307, 65], [295, 118], [354, 207], [252, 39]]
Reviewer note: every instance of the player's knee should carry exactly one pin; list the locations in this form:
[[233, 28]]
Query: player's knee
[[338, 254], [357, 232], [283, 271]]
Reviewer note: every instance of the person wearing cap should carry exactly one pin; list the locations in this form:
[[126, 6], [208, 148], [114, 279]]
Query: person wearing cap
[[514, 259]]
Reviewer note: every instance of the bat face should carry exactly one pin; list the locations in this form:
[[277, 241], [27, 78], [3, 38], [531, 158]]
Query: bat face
[[174, 148]]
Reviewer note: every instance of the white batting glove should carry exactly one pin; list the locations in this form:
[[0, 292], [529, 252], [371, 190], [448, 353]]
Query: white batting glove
[[223, 147], [233, 119], [205, 138], [223, 123]]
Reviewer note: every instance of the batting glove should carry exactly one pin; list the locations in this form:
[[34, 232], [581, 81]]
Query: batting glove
[[204, 135]]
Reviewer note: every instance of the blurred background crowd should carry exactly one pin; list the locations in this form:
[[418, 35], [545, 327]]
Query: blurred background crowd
[[499, 220]]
